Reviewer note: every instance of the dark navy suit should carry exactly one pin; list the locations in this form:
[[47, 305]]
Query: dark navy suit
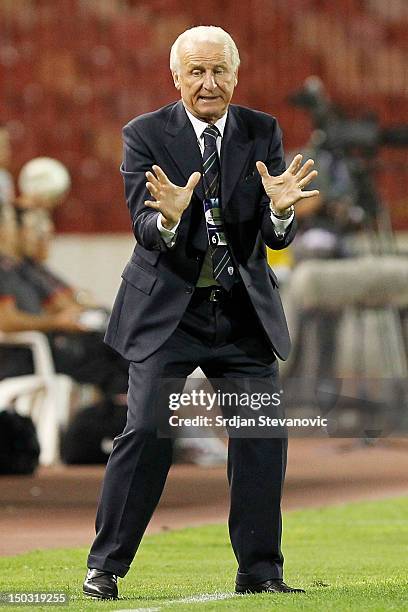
[[166, 329]]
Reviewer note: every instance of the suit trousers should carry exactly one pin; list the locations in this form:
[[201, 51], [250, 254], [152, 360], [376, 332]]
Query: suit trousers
[[225, 339]]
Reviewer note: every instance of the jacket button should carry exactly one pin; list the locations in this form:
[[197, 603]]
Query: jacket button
[[188, 289]]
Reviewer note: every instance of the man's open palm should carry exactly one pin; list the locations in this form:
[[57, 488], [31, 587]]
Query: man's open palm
[[286, 189], [171, 200]]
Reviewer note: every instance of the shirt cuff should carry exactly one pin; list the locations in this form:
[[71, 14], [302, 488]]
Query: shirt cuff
[[168, 236], [281, 225]]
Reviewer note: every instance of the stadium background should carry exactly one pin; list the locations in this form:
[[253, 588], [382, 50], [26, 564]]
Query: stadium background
[[73, 72]]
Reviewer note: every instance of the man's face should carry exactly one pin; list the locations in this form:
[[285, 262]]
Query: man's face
[[206, 79]]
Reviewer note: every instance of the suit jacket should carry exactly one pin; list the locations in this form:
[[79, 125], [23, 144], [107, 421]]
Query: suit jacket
[[158, 282]]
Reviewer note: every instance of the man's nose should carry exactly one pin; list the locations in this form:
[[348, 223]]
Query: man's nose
[[209, 81]]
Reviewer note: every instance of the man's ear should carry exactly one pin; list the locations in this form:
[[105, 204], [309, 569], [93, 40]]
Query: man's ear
[[176, 79], [236, 77]]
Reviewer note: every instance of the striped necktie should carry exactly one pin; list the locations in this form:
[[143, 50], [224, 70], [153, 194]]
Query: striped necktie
[[223, 267]]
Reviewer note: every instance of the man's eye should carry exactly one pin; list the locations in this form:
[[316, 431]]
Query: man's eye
[[219, 71], [196, 72]]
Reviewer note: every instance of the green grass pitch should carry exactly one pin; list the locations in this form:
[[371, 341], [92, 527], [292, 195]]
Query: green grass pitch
[[351, 557]]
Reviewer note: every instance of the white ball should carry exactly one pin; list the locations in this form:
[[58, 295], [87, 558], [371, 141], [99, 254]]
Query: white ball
[[45, 178]]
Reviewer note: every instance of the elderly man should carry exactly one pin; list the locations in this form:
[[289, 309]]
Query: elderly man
[[198, 292]]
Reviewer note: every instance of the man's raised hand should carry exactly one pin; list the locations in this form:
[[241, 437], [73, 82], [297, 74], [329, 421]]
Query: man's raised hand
[[286, 189], [170, 200]]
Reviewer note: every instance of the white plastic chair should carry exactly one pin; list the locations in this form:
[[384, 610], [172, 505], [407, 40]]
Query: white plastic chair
[[49, 412]]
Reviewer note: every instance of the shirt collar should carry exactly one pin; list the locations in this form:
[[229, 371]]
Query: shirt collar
[[199, 126]]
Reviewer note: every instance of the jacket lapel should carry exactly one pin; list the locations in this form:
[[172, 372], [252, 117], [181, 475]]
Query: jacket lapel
[[235, 149], [181, 143]]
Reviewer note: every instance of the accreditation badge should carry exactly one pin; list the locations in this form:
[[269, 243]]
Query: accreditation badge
[[214, 222]]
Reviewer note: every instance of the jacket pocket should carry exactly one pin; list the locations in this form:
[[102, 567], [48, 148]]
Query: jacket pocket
[[139, 278]]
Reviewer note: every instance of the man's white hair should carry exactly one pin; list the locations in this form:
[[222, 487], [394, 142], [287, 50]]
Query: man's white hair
[[203, 34]]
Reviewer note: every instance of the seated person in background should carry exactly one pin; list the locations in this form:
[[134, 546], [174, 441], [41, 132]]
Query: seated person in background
[[36, 231], [21, 308], [28, 302]]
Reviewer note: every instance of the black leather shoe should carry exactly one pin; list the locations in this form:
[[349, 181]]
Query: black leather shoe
[[268, 586], [100, 585]]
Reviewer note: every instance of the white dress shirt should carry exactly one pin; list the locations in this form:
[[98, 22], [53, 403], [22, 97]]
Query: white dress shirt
[[169, 236]]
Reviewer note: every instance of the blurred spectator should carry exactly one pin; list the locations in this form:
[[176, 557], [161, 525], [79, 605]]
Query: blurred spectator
[[34, 236], [31, 302], [36, 231]]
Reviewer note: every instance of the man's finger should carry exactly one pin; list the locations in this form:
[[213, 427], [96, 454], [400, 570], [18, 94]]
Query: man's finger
[[295, 164], [308, 179], [310, 194], [193, 180], [305, 169], [151, 178], [160, 174], [152, 189], [151, 204], [262, 169]]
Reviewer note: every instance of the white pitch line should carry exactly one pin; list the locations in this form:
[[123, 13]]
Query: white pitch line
[[202, 598], [139, 610]]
